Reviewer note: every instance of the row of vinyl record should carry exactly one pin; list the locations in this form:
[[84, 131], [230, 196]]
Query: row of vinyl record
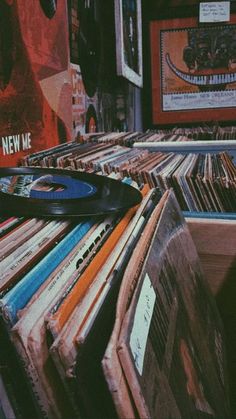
[[198, 133], [127, 139], [206, 132], [201, 182], [109, 317]]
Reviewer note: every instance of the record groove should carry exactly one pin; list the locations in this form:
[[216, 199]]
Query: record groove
[[28, 191]]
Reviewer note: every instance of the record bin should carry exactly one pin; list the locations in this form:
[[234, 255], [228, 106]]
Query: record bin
[[214, 235], [215, 239]]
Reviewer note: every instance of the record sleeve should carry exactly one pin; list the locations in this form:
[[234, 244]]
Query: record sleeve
[[113, 373], [19, 296], [19, 261], [83, 310], [61, 316], [29, 335], [171, 340]]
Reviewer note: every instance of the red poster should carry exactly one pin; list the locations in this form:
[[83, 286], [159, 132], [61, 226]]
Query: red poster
[[35, 86]]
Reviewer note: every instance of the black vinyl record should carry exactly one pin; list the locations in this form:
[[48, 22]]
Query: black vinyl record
[[89, 46], [35, 192], [49, 7]]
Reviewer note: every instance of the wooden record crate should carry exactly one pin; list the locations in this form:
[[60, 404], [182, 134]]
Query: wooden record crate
[[214, 235], [215, 241]]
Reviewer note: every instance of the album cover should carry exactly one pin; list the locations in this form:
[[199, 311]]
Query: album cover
[[112, 370], [35, 92], [74, 333], [32, 248], [61, 316], [18, 297], [89, 379], [31, 339], [171, 341]]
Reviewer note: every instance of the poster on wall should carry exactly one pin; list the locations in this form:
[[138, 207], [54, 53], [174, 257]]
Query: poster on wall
[[128, 24], [35, 85], [84, 108], [78, 100], [193, 71]]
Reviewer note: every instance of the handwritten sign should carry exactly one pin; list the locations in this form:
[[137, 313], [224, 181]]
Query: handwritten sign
[[142, 321], [214, 12]]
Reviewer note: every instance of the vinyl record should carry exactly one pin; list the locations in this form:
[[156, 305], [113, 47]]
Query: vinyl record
[[49, 7], [89, 47], [35, 192]]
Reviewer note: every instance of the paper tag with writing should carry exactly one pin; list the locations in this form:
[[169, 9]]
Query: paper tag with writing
[[214, 12], [142, 321]]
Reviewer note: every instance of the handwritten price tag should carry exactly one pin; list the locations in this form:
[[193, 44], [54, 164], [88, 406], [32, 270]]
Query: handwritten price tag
[[142, 321], [214, 12]]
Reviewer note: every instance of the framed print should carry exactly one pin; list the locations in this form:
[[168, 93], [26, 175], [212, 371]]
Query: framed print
[[128, 24], [193, 71]]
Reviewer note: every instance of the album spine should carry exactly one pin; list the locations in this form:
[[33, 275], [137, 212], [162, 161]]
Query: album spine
[[42, 405], [59, 319], [23, 262], [9, 224], [18, 297]]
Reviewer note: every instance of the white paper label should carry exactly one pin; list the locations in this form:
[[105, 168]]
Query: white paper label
[[142, 321], [214, 12], [199, 100]]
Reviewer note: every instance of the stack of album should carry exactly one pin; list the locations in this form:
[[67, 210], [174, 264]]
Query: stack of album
[[202, 182], [213, 132], [109, 317]]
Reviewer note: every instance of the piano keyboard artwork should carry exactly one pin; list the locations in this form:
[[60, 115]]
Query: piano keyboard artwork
[[201, 79], [193, 71]]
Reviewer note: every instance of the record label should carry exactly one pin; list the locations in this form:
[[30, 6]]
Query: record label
[[35, 192], [47, 186]]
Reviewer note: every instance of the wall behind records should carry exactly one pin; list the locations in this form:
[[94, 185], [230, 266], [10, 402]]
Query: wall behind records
[[101, 100]]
